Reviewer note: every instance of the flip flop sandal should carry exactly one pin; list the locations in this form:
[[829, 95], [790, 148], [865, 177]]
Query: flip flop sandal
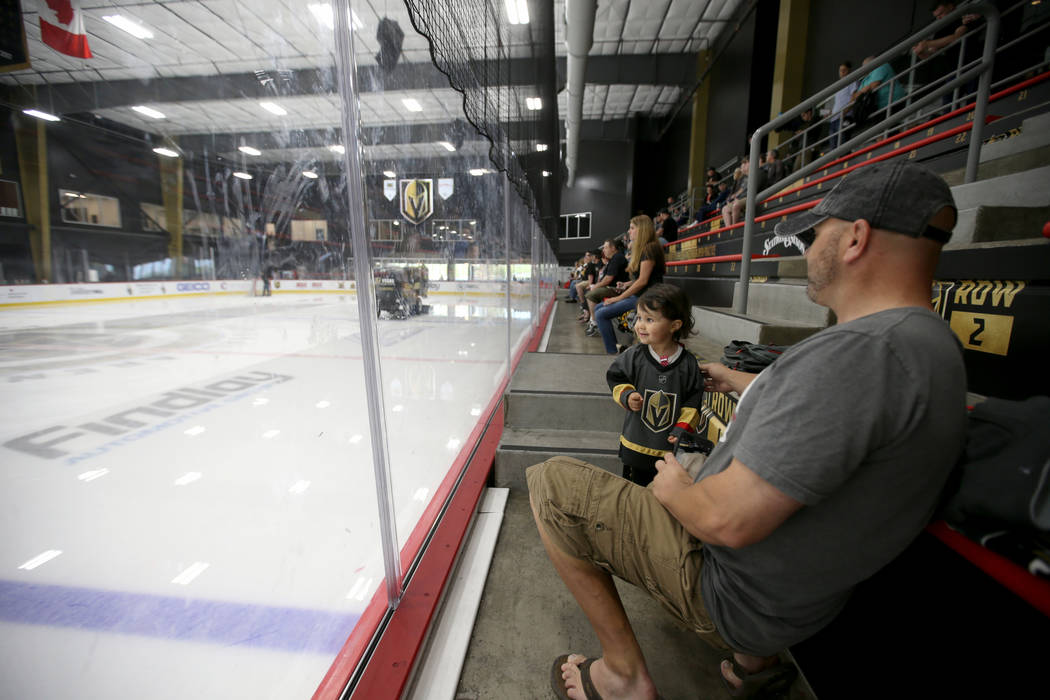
[[558, 683], [767, 684]]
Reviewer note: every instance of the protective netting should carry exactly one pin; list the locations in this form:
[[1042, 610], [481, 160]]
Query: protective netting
[[499, 67]]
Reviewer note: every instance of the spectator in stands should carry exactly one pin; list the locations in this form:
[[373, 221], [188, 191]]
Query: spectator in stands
[[806, 132], [773, 168], [615, 272], [668, 230], [841, 100], [577, 275], [713, 201], [588, 278], [713, 177], [733, 210], [878, 82], [939, 70], [810, 490], [646, 269]]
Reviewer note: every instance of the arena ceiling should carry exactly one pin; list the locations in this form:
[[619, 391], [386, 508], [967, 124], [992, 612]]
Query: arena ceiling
[[209, 64]]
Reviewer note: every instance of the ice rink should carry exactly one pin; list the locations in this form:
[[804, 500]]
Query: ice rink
[[189, 505]]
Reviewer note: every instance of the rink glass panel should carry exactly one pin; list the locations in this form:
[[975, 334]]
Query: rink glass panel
[[187, 450], [189, 502]]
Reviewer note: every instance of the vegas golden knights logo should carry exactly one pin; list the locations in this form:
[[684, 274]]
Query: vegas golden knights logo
[[658, 410], [417, 200]]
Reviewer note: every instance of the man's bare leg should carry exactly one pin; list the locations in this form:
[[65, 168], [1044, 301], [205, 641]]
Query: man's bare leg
[[621, 672]]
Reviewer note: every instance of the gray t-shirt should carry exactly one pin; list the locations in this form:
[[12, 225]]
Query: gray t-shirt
[[861, 423]]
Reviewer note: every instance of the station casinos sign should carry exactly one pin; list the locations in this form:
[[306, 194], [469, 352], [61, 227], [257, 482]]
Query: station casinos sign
[[417, 199]]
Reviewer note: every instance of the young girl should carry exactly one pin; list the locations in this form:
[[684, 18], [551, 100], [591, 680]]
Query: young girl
[[657, 381]]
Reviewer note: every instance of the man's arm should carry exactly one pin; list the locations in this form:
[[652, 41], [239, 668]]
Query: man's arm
[[734, 508], [718, 377]]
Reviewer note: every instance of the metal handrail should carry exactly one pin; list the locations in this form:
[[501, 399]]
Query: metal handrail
[[982, 70]]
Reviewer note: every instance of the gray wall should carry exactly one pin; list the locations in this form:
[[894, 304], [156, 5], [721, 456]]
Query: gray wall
[[603, 187]]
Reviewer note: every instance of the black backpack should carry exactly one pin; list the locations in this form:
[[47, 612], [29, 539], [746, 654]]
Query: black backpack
[[750, 357], [999, 492]]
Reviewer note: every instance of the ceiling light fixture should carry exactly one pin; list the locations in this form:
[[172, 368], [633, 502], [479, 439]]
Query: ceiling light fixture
[[390, 173], [546, 173], [249, 150], [274, 108], [310, 174], [476, 172], [166, 152], [533, 103], [148, 111], [338, 148], [541, 147], [41, 115], [132, 28], [446, 145], [324, 15], [517, 11], [243, 176], [412, 104]]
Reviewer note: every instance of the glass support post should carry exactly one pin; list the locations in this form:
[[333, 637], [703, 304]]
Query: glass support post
[[344, 44]]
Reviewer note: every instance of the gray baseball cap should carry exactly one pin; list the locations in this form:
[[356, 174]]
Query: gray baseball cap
[[900, 196]]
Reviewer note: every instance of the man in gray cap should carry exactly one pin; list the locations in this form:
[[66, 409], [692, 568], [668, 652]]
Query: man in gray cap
[[833, 462]]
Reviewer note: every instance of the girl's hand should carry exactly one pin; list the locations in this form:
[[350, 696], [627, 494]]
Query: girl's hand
[[634, 401]]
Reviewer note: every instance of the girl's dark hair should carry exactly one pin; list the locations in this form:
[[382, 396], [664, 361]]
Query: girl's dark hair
[[671, 303]]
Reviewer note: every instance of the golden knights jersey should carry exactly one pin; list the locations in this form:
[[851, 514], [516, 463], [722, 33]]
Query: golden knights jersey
[[671, 399]]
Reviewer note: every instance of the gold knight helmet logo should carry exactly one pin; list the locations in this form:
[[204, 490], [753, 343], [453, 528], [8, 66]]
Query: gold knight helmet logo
[[658, 410], [417, 200]]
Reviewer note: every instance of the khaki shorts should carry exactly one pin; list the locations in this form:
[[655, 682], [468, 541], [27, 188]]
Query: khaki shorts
[[620, 527], [596, 294]]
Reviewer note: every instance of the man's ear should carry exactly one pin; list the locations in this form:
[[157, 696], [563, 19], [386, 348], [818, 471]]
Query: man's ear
[[856, 240]]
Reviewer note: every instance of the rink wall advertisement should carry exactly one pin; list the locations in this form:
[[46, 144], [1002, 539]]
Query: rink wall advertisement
[[39, 294]]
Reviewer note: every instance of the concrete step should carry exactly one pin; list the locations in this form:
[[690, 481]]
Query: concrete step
[[723, 325], [1025, 189], [521, 448], [555, 410], [561, 372], [986, 224], [784, 299], [1035, 134]]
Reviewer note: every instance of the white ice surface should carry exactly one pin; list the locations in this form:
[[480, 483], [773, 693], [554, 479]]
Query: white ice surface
[[265, 480]]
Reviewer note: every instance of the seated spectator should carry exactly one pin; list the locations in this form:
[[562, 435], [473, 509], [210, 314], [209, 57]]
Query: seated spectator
[[714, 198], [733, 210], [806, 132], [615, 272], [577, 275], [588, 278], [712, 176], [773, 169], [940, 69], [668, 227], [841, 100], [646, 268], [810, 490]]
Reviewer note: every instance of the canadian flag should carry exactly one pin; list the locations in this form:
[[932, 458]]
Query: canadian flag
[[62, 27]]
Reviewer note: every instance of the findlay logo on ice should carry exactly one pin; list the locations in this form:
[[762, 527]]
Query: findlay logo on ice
[[171, 408]]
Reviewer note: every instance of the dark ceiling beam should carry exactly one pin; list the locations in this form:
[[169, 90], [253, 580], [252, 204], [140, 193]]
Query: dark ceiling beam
[[70, 98]]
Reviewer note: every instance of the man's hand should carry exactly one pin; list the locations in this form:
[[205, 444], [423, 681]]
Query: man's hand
[[634, 401], [718, 377], [670, 478], [920, 48]]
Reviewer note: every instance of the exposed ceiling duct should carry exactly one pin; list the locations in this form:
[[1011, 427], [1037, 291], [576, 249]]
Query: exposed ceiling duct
[[579, 37]]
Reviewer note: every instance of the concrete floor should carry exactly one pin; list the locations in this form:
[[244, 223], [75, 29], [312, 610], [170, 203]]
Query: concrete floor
[[527, 617]]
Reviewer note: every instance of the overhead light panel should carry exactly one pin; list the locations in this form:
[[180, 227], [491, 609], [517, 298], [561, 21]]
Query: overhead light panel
[[541, 147], [390, 173], [310, 174], [338, 148], [166, 152], [517, 11], [533, 103], [546, 173], [446, 145], [412, 104], [324, 15], [148, 111], [274, 108], [476, 172], [249, 150], [133, 28], [243, 176], [41, 115]]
